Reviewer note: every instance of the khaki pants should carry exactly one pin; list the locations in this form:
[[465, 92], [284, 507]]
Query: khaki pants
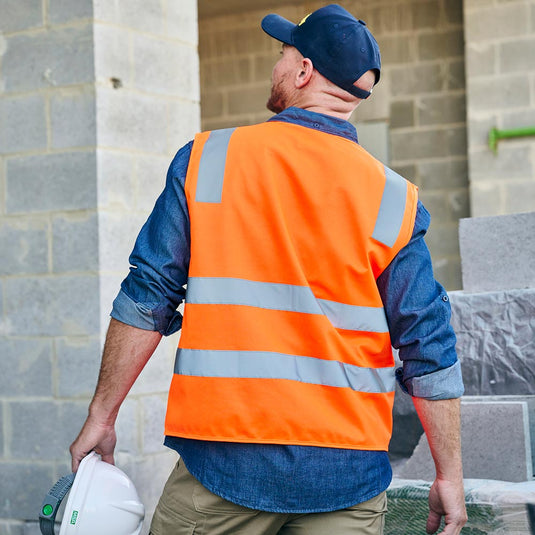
[[187, 508]]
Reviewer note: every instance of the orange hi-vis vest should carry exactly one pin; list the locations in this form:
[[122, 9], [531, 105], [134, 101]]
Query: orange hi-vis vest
[[284, 338]]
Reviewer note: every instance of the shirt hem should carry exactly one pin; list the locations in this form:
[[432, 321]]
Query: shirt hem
[[288, 510], [278, 442]]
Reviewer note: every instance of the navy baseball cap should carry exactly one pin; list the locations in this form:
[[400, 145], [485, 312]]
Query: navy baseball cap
[[340, 47]]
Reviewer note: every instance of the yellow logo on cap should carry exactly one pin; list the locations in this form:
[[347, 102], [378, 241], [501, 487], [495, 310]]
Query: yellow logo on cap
[[304, 19]]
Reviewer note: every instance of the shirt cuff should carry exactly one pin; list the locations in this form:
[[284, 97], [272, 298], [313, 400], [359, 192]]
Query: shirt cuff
[[127, 311], [442, 384]]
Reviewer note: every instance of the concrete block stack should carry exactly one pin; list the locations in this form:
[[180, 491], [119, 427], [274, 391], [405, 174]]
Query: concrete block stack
[[493, 315], [492, 318], [497, 252], [95, 99], [497, 441]]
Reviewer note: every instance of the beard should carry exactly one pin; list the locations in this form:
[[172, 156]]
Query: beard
[[277, 101]]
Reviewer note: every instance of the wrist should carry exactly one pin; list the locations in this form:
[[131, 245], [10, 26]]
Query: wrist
[[450, 479], [101, 415], [451, 468]]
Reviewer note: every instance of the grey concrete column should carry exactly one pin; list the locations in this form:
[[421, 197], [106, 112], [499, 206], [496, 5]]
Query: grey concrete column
[[95, 99]]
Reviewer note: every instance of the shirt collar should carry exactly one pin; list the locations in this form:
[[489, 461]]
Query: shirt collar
[[317, 121]]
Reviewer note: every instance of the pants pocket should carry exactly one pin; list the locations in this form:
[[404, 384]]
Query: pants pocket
[[370, 515], [207, 502], [168, 522]]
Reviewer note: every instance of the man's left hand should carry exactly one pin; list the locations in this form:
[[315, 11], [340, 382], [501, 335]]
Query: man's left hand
[[446, 499]]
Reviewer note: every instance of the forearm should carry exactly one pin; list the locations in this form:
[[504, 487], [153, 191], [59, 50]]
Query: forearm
[[126, 351], [442, 424]]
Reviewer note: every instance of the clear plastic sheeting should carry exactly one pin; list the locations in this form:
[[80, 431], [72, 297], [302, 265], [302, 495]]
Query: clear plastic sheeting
[[496, 341], [494, 507], [496, 346]]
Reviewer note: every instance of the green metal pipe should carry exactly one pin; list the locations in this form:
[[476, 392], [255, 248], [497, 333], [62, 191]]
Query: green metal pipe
[[495, 135]]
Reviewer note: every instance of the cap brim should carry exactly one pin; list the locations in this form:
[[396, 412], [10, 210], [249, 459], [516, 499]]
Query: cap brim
[[279, 28]]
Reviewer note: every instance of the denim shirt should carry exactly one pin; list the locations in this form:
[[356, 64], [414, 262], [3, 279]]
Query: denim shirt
[[296, 479]]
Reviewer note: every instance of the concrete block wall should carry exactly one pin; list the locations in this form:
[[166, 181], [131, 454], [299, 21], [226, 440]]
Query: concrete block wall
[[424, 88], [48, 238], [421, 96], [500, 68], [95, 99], [147, 93]]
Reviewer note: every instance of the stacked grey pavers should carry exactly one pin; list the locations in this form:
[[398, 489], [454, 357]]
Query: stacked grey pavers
[[494, 318]]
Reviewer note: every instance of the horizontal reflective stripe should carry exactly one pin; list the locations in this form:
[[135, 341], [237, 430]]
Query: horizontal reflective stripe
[[392, 209], [212, 166], [355, 318], [274, 296], [267, 365]]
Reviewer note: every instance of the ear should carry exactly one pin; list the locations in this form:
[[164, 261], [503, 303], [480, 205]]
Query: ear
[[304, 74]]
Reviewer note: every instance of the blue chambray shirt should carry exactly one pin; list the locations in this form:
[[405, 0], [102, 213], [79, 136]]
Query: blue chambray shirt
[[279, 478]]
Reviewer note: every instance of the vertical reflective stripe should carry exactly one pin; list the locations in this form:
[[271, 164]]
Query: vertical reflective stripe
[[212, 166], [392, 209], [269, 295], [268, 365]]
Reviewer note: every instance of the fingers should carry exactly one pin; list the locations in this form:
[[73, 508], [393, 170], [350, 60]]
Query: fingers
[[76, 456], [446, 499], [107, 458], [455, 522], [433, 522], [453, 528], [100, 438], [449, 529]]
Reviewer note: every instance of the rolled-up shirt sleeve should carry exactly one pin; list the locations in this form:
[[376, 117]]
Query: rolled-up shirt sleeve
[[418, 313], [154, 288]]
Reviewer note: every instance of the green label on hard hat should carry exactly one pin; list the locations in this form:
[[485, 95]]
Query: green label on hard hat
[[48, 510], [74, 517]]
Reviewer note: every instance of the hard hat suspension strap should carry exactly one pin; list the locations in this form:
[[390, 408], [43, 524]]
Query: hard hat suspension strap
[[51, 503]]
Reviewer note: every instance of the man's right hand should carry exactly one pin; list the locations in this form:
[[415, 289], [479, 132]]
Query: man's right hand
[[126, 351], [94, 436]]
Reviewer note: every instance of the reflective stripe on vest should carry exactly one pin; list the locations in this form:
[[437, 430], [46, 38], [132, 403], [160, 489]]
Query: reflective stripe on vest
[[227, 291], [391, 212], [267, 365], [212, 166]]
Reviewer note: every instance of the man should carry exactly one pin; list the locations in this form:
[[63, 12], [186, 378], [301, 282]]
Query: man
[[304, 262]]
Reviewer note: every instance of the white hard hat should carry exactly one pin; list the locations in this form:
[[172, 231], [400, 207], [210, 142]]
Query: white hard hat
[[102, 500]]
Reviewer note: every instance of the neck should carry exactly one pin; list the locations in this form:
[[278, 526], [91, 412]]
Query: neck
[[329, 101], [328, 111]]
